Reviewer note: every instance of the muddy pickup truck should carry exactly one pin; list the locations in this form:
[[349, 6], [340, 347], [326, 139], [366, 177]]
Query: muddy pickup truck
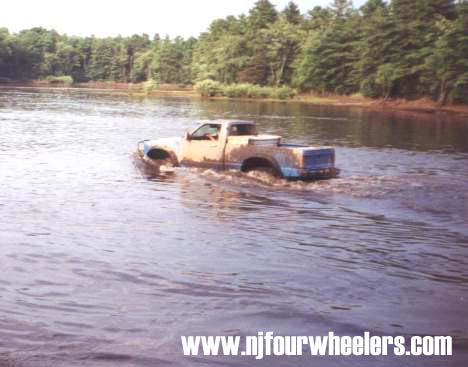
[[237, 145]]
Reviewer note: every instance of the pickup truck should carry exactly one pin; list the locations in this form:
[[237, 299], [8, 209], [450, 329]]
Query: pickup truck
[[236, 145]]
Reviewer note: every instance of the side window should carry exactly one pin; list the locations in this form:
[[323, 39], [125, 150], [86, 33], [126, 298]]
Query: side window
[[207, 132]]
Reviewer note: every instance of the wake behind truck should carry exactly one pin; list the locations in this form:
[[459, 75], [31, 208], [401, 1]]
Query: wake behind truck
[[236, 145]]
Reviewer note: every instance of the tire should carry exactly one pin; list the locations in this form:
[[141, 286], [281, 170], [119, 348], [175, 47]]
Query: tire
[[269, 170], [158, 163]]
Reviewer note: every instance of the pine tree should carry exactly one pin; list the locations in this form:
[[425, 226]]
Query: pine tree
[[379, 51], [447, 67], [292, 14], [5, 53], [319, 19], [341, 8], [262, 14], [261, 17], [417, 29], [329, 61], [371, 6]]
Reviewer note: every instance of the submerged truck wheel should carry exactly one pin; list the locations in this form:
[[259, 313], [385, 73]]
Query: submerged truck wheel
[[261, 165], [159, 155], [159, 159]]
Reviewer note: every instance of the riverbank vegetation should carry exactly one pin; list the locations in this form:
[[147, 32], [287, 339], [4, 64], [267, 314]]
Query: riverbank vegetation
[[212, 88], [397, 49]]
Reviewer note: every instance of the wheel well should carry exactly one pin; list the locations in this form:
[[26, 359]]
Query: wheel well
[[256, 162], [158, 154]]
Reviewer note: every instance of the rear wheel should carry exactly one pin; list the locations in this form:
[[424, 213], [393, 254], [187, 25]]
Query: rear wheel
[[268, 170], [259, 171], [260, 165]]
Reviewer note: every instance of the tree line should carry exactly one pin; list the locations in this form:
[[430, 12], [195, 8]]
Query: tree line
[[400, 48]]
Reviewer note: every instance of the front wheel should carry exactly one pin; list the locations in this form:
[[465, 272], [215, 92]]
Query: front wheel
[[164, 165]]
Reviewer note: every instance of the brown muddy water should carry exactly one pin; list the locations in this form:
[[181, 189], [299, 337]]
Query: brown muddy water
[[104, 263]]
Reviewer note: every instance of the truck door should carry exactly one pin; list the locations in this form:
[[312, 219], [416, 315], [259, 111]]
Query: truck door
[[204, 147]]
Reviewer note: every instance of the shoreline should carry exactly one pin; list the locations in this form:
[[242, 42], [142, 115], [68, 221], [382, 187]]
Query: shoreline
[[421, 105]]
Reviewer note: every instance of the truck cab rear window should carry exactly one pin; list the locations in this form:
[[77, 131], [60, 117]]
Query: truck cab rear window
[[242, 129]]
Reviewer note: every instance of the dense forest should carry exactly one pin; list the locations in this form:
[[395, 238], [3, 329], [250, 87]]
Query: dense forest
[[400, 48]]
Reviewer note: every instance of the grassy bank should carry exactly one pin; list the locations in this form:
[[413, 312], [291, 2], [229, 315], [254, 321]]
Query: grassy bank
[[249, 92]]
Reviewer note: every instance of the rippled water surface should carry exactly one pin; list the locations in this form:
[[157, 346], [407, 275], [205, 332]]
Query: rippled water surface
[[104, 263]]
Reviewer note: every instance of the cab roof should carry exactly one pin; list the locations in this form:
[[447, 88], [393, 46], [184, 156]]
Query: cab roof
[[228, 123]]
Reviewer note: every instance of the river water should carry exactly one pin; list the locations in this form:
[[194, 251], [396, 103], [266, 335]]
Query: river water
[[104, 263]]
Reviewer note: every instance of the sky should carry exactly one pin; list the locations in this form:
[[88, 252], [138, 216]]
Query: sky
[[126, 17]]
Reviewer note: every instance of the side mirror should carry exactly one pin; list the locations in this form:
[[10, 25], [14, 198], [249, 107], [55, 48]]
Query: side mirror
[[188, 136]]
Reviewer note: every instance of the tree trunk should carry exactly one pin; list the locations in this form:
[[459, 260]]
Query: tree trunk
[[443, 93], [274, 74], [281, 71]]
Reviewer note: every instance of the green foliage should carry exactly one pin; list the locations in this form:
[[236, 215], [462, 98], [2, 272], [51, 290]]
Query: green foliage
[[395, 48], [319, 19], [150, 85], [292, 14], [63, 79], [446, 69], [386, 77], [5, 52], [341, 8], [329, 62], [379, 45], [284, 92], [262, 14], [222, 52], [211, 88], [236, 90], [37, 53], [172, 60], [282, 49], [258, 91], [208, 88]]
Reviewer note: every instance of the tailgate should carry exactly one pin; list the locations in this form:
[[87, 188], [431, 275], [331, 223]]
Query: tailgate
[[319, 158]]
